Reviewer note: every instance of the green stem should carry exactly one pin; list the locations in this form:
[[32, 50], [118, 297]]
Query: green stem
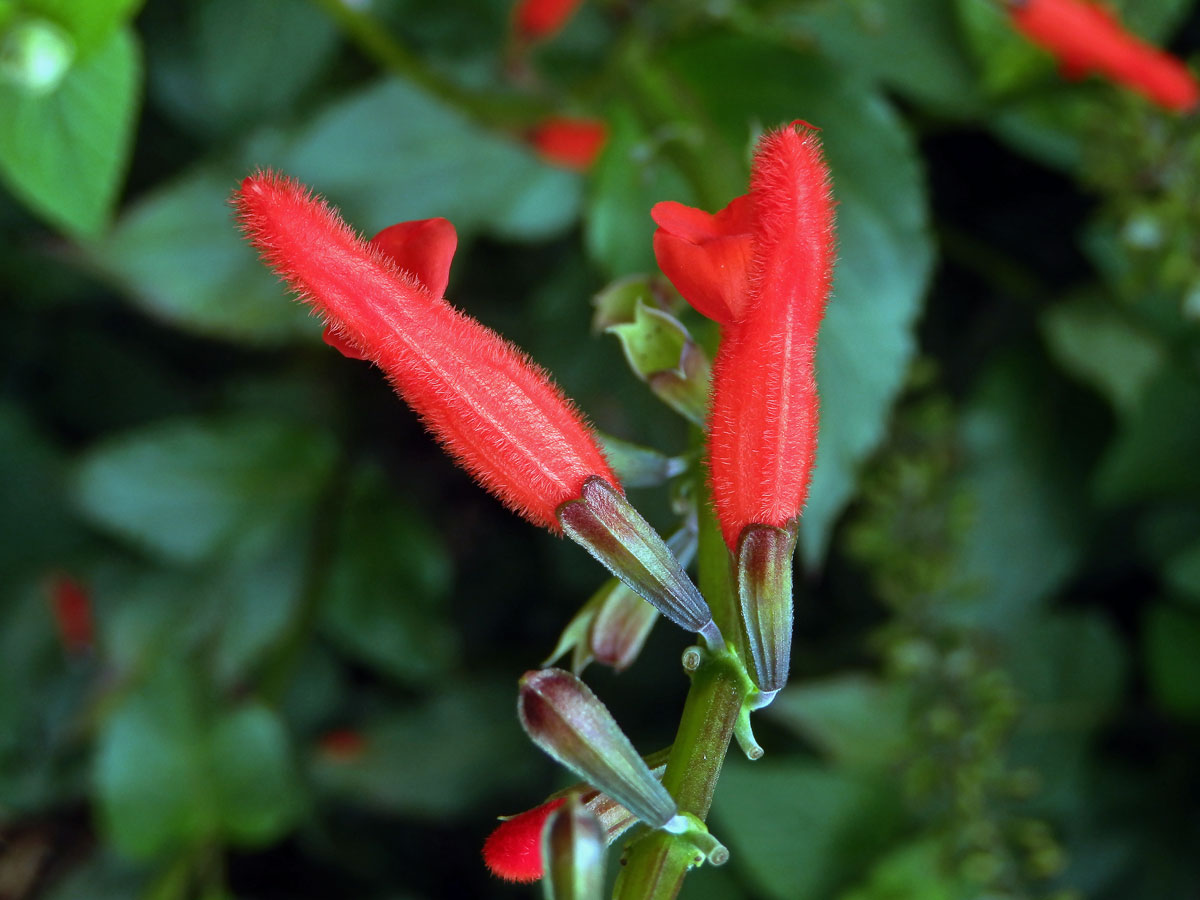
[[377, 44], [658, 863]]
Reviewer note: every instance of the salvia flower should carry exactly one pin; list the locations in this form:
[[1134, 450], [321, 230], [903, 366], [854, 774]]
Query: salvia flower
[[762, 268], [1087, 37], [572, 143], [489, 405]]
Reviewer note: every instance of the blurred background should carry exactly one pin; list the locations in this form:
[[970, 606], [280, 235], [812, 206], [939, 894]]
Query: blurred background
[[259, 639]]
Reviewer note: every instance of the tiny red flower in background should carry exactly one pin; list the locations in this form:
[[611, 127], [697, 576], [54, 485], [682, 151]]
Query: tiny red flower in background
[[342, 745], [570, 143], [1086, 37], [761, 267], [514, 850], [71, 605], [494, 410], [540, 20]]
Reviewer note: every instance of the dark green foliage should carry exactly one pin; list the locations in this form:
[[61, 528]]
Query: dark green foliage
[[307, 626]]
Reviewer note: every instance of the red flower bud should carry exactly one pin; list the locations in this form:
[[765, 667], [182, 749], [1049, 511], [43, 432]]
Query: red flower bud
[[761, 267], [540, 20], [514, 850], [570, 143], [71, 605], [342, 745], [494, 410], [1086, 37]]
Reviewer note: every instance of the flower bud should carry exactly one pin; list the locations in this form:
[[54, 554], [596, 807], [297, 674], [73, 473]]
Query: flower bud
[[573, 848], [609, 528], [563, 717], [764, 578]]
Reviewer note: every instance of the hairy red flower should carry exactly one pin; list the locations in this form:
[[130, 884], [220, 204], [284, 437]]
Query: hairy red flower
[[1086, 37], [494, 410], [762, 268], [569, 142], [514, 850], [540, 20]]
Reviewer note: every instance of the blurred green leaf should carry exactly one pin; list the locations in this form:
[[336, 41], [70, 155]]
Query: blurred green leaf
[[171, 774], [90, 22], [799, 829], [188, 489], [1172, 646], [180, 256], [389, 573], [633, 173], [855, 719], [1027, 500], [390, 152], [254, 779], [884, 249], [915, 871], [1183, 572], [64, 152], [153, 784], [437, 760], [1007, 59], [233, 64], [36, 530], [914, 48], [1155, 454], [104, 876], [1097, 345]]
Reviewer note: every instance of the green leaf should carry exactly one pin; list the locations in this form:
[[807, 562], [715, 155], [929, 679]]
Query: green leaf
[[853, 718], [884, 248], [1027, 498], [1183, 572], [170, 774], [254, 779], [152, 783], [388, 577], [799, 829], [438, 760], [180, 256], [226, 65], [438, 163], [913, 47], [1007, 58], [189, 489], [1172, 642], [90, 22], [632, 174], [916, 871], [1155, 454], [64, 152], [1097, 345]]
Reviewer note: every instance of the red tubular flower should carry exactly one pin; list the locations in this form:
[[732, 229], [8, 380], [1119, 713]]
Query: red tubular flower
[[514, 850], [762, 268], [493, 409], [540, 20], [570, 143], [1086, 37]]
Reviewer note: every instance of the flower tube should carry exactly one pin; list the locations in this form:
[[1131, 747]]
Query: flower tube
[[762, 268], [493, 410], [1087, 37]]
